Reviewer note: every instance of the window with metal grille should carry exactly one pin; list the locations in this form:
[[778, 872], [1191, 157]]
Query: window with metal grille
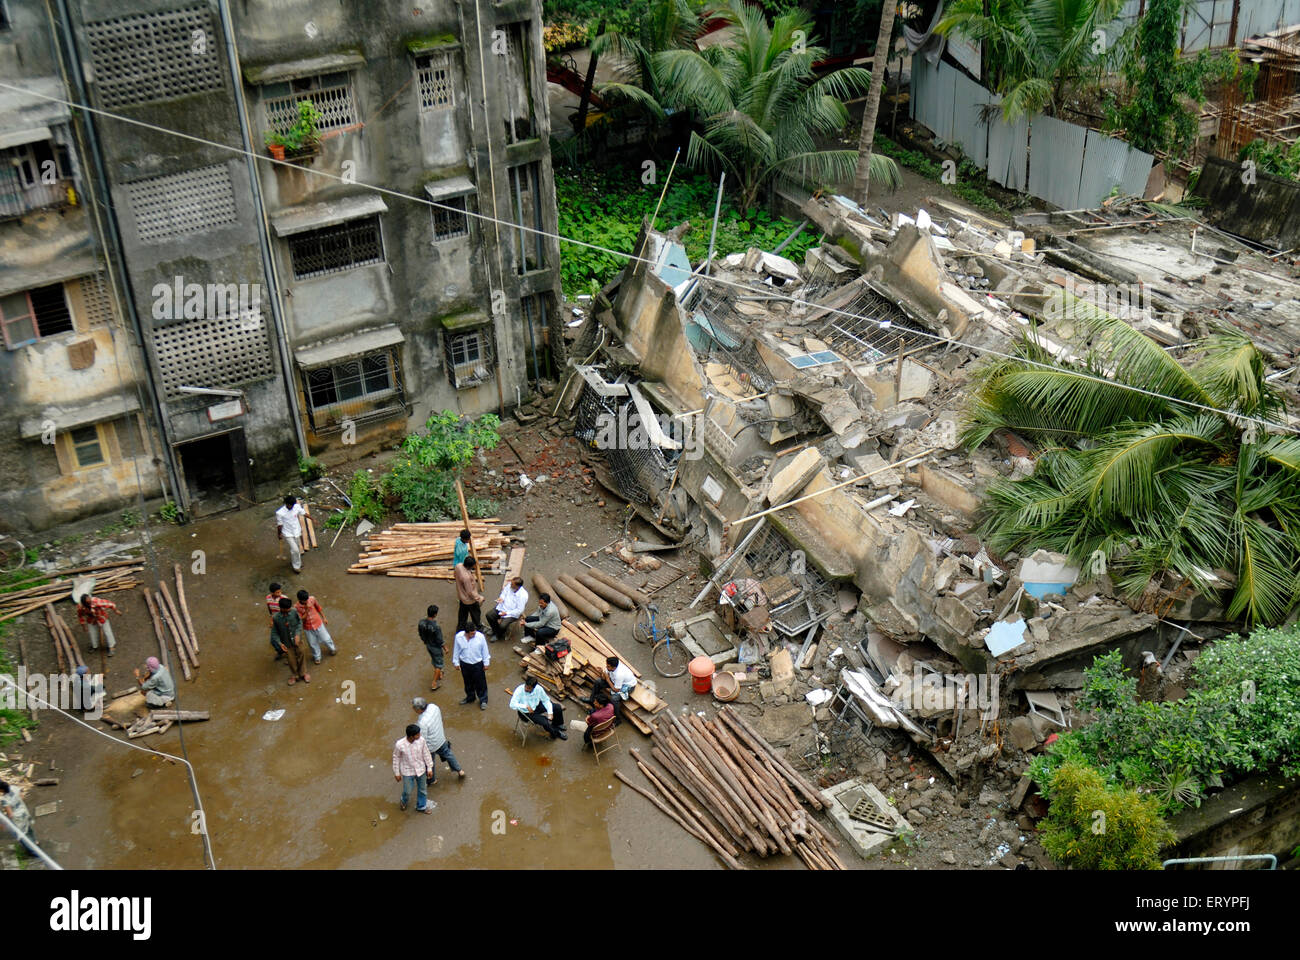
[[469, 357], [217, 352], [86, 446], [368, 377], [330, 92], [333, 249], [155, 56], [529, 243], [450, 224], [436, 74], [29, 315], [181, 203], [33, 176]]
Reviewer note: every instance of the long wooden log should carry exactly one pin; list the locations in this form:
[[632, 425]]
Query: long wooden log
[[157, 626], [592, 600], [188, 716], [726, 858], [796, 779], [59, 653], [748, 820], [576, 602], [185, 609], [748, 790], [606, 592], [155, 605], [709, 801], [542, 585], [175, 623], [631, 592], [674, 793]]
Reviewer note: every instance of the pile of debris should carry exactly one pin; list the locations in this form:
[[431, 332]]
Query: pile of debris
[[424, 550], [160, 721]]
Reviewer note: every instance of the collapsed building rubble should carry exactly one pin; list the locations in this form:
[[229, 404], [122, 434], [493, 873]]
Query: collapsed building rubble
[[800, 425]]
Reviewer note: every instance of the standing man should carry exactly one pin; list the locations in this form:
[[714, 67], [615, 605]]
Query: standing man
[[13, 807], [461, 549], [272, 608], [510, 608], [431, 636], [470, 655], [286, 624], [313, 624], [429, 717], [546, 623], [288, 527], [536, 707], [412, 764], [157, 685], [92, 613], [468, 595]]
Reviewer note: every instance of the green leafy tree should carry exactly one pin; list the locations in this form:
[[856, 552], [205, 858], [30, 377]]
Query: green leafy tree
[[1092, 825], [422, 480], [1165, 90], [1036, 49], [1134, 484], [665, 25], [760, 108]]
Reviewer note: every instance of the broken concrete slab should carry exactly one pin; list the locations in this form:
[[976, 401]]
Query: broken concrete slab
[[781, 723], [793, 477], [948, 489], [866, 840]]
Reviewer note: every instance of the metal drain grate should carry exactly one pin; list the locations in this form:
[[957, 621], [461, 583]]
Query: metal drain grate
[[865, 811]]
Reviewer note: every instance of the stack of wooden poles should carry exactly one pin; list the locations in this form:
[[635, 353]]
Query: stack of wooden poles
[[109, 577], [174, 615], [574, 675], [590, 592], [726, 786], [160, 721], [425, 550]]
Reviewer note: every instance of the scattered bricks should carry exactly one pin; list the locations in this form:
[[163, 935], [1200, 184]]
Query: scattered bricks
[[782, 666]]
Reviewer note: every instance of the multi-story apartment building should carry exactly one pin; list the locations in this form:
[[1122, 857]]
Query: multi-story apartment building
[[292, 306]]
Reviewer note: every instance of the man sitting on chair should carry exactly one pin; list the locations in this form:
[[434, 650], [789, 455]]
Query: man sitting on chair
[[604, 710], [535, 706]]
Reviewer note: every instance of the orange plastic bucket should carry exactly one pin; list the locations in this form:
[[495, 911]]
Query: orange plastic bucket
[[701, 669]]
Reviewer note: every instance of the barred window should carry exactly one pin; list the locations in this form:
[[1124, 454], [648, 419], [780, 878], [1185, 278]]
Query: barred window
[[362, 378], [469, 358], [29, 315], [330, 92], [436, 75], [449, 224], [155, 56], [355, 243], [33, 176]]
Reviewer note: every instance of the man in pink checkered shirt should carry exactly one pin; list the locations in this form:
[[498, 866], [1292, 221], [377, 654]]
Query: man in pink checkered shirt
[[413, 768], [92, 613]]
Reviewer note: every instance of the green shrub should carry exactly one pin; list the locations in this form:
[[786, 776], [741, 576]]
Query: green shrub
[[605, 207], [422, 480], [364, 494], [1092, 825], [1241, 716], [169, 512], [309, 468]]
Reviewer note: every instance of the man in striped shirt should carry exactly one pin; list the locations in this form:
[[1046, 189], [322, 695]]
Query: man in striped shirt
[[413, 768], [92, 613]]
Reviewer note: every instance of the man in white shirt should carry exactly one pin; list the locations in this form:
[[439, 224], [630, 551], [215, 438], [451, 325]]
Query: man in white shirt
[[429, 717], [510, 608], [618, 681], [289, 528], [536, 707], [470, 655]]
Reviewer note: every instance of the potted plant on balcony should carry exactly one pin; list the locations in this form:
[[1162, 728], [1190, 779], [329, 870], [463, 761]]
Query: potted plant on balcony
[[275, 144], [303, 139]]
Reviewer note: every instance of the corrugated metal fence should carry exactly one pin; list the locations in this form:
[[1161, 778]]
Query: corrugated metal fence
[[1060, 162]]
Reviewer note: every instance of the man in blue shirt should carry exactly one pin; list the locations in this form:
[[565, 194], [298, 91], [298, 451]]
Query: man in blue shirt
[[461, 549], [536, 707]]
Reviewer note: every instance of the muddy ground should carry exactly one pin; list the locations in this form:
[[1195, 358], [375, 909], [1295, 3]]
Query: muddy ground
[[315, 789]]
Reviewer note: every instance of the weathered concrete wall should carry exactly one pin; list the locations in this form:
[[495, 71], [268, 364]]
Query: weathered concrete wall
[[1258, 815], [1267, 211]]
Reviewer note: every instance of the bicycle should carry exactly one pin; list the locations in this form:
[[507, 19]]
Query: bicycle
[[669, 658]]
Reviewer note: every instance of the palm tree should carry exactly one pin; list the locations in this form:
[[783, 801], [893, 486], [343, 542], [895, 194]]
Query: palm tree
[[1035, 48], [668, 25], [1138, 483], [862, 176], [762, 108]]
